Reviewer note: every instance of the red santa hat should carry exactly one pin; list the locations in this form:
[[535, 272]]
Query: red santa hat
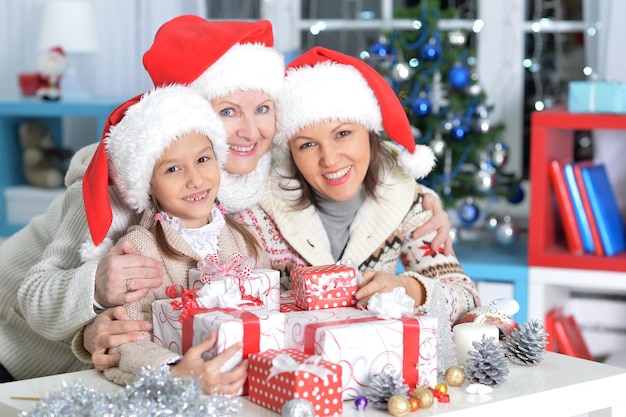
[[57, 50], [323, 85], [135, 136], [216, 57]]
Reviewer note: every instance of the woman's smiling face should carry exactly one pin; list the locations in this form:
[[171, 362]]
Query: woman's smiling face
[[250, 122], [333, 157]]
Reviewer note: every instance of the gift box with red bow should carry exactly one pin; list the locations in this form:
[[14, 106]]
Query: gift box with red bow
[[236, 282], [182, 322], [277, 376], [326, 286]]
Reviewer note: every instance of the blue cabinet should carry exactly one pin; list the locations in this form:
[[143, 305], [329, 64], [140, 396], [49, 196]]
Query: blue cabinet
[[497, 263], [14, 111]]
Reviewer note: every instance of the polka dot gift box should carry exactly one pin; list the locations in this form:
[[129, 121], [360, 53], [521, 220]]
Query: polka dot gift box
[[325, 286], [278, 376]]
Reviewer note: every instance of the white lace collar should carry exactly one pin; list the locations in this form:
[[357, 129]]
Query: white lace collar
[[203, 239]]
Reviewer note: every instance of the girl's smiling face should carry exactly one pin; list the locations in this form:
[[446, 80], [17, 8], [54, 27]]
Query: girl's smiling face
[[185, 180], [333, 157]]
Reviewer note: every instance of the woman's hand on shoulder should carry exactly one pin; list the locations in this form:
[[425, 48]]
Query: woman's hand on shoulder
[[124, 275], [438, 222]]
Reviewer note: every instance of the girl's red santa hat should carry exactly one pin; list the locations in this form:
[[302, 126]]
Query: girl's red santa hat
[[324, 85], [134, 138], [216, 57]]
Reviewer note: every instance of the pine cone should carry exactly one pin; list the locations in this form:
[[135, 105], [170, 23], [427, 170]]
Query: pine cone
[[383, 386], [526, 345], [487, 364]]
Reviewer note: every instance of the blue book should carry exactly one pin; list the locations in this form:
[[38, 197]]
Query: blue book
[[605, 208], [579, 210]]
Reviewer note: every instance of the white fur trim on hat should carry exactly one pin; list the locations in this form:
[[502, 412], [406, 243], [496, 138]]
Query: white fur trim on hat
[[148, 128], [315, 94], [244, 67], [90, 252]]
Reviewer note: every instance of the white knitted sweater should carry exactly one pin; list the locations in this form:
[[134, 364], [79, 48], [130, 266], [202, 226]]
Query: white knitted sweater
[[55, 303]]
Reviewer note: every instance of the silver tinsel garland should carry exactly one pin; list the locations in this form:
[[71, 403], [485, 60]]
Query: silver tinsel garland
[[154, 393]]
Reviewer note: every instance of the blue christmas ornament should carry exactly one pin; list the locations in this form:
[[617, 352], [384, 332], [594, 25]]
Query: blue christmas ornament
[[421, 106], [459, 132], [516, 195], [459, 77], [380, 49], [430, 51], [468, 212]]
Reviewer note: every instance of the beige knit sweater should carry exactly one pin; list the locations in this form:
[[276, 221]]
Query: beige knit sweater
[[56, 296], [176, 272]]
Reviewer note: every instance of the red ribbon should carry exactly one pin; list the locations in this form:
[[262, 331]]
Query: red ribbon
[[410, 342], [189, 305]]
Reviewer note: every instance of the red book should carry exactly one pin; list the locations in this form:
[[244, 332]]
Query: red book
[[566, 209], [595, 235]]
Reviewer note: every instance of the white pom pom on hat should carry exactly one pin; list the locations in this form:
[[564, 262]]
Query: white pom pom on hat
[[323, 85], [135, 136]]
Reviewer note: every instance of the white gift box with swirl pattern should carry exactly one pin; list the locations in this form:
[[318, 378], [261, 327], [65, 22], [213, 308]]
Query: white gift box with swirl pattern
[[263, 284]]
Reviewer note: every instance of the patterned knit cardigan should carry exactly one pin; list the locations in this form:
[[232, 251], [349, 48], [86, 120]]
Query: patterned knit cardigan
[[380, 237]]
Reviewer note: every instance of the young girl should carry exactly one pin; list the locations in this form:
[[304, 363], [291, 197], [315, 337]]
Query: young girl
[[164, 157], [356, 193]]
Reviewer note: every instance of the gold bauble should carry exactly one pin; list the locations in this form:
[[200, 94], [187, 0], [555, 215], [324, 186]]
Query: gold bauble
[[425, 397], [398, 406], [455, 376], [442, 388]]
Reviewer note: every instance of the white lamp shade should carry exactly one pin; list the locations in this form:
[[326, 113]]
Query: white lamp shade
[[69, 24]]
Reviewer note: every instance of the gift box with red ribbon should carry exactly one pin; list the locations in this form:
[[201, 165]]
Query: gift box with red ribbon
[[277, 376], [181, 323], [363, 342], [326, 286], [367, 346], [236, 282]]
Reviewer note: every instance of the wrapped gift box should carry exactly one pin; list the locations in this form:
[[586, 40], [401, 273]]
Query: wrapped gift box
[[367, 346], [326, 286], [277, 376], [262, 284], [596, 97], [296, 321], [257, 327]]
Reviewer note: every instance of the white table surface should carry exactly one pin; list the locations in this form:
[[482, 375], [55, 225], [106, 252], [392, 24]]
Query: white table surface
[[559, 386]]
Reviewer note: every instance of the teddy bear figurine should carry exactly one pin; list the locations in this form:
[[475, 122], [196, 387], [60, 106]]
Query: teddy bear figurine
[[44, 162], [50, 69]]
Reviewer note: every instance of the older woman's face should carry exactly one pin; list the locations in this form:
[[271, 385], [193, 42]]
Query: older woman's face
[[250, 122], [333, 157]]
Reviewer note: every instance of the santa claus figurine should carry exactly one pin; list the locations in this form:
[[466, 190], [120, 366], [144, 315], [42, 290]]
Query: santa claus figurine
[[52, 66]]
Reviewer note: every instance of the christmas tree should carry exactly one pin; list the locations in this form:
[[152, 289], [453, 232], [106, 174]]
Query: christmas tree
[[433, 72]]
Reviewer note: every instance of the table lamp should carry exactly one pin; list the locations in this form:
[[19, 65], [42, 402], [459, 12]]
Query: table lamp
[[71, 25]]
